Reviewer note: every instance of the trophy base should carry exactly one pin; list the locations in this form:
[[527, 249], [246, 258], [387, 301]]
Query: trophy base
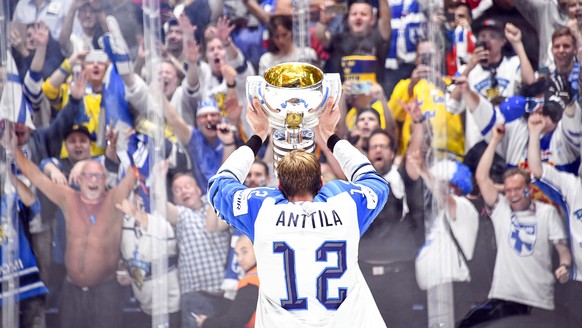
[[281, 147]]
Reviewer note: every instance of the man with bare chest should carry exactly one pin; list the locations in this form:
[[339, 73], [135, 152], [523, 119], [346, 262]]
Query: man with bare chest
[[89, 296]]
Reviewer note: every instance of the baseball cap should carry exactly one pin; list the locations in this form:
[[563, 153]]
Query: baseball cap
[[491, 24], [515, 107], [77, 128], [207, 106]]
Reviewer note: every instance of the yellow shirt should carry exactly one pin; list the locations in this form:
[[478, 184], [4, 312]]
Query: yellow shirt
[[59, 97], [447, 128]]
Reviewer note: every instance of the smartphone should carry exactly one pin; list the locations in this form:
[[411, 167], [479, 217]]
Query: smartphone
[[425, 59], [338, 9], [481, 44], [361, 88], [484, 45]]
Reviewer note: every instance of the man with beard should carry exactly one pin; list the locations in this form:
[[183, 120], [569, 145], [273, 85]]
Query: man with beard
[[174, 37], [388, 248]]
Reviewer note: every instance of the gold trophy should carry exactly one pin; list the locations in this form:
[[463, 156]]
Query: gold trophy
[[293, 96]]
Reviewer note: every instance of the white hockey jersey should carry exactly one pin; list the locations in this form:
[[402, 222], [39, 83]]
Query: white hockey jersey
[[556, 147], [566, 189], [307, 252]]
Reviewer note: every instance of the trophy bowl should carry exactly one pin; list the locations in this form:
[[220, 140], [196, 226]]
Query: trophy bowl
[[293, 96]]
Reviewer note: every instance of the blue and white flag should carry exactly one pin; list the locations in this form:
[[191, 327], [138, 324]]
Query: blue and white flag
[[116, 106], [13, 105]]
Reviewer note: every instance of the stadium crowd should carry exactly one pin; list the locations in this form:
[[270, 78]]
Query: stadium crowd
[[470, 110]]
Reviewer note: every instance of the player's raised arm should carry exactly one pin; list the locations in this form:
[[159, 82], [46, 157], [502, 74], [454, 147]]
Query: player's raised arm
[[226, 187], [352, 161], [370, 191]]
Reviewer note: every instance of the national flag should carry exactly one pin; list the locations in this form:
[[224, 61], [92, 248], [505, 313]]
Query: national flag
[[13, 105]]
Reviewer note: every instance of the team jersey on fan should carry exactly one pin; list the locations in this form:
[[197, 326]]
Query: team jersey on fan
[[449, 137], [556, 147], [18, 262], [408, 23], [505, 81], [565, 187], [307, 252]]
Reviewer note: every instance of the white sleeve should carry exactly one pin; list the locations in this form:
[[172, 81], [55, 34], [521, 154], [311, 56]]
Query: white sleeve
[[238, 163], [33, 88], [572, 127], [454, 106], [137, 96], [560, 181], [466, 225], [486, 116], [352, 161], [159, 227], [555, 226]]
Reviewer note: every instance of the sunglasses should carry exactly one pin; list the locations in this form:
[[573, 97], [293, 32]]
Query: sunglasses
[[532, 104]]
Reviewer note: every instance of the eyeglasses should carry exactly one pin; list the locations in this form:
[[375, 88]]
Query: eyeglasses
[[98, 176]]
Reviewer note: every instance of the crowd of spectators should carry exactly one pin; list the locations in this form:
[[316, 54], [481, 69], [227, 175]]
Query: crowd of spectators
[[469, 109]]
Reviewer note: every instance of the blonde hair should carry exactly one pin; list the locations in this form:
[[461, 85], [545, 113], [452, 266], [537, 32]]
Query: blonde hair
[[299, 174]]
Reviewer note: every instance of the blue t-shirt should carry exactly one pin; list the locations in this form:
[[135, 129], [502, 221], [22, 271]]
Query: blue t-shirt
[[206, 158]]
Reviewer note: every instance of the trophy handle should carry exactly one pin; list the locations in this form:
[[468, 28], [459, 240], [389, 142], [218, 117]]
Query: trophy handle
[[254, 85], [332, 84]]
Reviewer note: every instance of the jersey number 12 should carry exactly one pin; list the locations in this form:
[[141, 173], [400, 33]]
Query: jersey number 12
[[293, 301]]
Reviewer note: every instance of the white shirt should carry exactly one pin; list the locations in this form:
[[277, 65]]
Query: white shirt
[[568, 188], [138, 248], [555, 147], [508, 76], [523, 265], [51, 12]]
